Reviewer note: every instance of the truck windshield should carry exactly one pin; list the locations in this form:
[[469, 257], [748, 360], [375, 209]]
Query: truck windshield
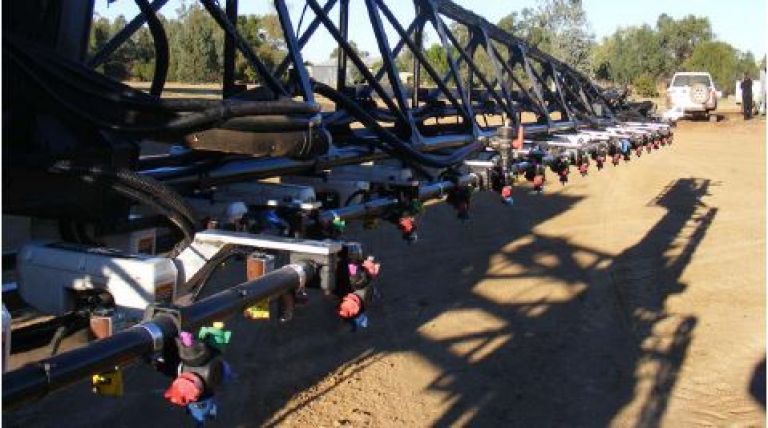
[[690, 80]]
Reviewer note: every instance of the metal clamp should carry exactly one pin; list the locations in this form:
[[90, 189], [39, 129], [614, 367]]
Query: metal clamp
[[301, 273], [157, 335]]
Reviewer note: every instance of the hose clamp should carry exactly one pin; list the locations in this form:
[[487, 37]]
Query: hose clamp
[[301, 273], [156, 333]]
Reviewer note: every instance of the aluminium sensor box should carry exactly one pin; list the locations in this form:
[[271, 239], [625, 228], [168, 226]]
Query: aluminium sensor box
[[49, 275]]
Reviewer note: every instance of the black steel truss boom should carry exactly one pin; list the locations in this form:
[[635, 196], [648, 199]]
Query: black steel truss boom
[[435, 119], [524, 78], [457, 125]]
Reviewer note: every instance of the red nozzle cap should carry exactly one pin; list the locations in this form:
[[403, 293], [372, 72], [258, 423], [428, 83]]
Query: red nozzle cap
[[506, 191], [407, 225], [350, 306], [371, 267], [185, 389]]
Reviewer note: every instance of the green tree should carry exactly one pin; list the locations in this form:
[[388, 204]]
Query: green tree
[[558, 27], [628, 54], [404, 60], [272, 48], [724, 62], [198, 47], [529, 25], [570, 38], [143, 64], [437, 58], [100, 33], [679, 38], [248, 26], [353, 72], [195, 43], [117, 65], [637, 54], [361, 53], [720, 59], [747, 64], [645, 86]]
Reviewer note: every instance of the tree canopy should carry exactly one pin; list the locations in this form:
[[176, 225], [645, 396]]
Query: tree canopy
[[725, 63], [195, 43], [558, 27], [638, 55]]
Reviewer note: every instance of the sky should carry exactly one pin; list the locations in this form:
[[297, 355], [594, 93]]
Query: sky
[[742, 23]]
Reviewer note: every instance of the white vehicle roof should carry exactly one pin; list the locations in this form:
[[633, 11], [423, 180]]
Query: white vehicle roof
[[690, 78]]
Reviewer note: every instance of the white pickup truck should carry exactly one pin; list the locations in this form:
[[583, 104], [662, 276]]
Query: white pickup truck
[[691, 94]]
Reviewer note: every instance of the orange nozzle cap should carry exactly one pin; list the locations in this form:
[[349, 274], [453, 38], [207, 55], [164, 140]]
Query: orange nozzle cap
[[350, 306], [517, 144]]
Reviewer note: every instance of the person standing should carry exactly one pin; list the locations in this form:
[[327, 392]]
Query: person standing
[[746, 96]]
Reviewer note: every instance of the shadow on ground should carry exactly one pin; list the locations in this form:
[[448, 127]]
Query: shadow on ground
[[757, 384], [578, 359]]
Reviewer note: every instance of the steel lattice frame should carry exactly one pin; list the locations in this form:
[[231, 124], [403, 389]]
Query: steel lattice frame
[[522, 79], [553, 86]]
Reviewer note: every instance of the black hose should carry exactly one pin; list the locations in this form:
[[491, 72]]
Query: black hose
[[187, 229], [182, 124], [48, 74], [200, 279], [161, 47], [98, 85], [163, 192], [140, 182], [101, 86], [271, 123], [143, 190], [243, 107], [58, 337]]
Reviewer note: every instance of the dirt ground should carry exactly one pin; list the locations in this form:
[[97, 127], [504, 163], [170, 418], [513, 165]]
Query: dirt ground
[[632, 297]]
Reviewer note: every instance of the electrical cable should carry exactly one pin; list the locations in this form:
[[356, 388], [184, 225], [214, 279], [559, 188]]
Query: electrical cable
[[200, 279]]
